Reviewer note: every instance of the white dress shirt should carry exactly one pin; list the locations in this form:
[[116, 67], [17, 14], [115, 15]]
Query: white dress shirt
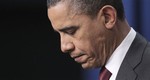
[[114, 62]]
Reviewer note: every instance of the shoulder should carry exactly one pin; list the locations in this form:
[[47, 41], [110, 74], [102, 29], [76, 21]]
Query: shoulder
[[143, 68]]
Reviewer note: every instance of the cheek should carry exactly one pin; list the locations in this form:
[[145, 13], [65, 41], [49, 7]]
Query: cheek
[[87, 42], [86, 47]]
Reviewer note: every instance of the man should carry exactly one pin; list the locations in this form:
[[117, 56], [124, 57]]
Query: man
[[96, 34]]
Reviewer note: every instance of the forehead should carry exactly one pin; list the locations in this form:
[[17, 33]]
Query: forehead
[[58, 14]]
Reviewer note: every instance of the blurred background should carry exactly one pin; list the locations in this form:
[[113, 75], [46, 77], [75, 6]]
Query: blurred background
[[30, 49]]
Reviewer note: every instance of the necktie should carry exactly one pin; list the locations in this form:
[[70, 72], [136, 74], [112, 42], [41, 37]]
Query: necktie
[[104, 74]]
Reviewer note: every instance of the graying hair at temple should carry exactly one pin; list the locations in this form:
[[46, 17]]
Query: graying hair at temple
[[91, 7]]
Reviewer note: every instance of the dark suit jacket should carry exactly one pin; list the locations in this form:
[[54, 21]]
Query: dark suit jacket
[[136, 64]]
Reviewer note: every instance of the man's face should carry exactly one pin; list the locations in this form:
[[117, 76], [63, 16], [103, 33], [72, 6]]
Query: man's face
[[82, 37]]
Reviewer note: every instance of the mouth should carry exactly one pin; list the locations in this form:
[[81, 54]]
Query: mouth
[[79, 58]]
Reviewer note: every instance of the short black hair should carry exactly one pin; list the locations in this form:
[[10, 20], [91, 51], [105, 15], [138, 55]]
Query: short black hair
[[92, 7]]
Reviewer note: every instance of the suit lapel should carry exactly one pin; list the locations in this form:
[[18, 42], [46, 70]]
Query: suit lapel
[[132, 59], [126, 73]]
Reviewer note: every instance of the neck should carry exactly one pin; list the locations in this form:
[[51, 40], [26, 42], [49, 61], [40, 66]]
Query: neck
[[116, 36], [122, 29]]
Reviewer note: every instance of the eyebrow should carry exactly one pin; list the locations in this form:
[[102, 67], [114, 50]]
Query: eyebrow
[[68, 28]]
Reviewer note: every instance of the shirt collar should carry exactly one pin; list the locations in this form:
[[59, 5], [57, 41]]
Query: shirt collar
[[114, 62]]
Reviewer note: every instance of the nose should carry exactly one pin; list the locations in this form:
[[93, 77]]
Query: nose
[[67, 47]]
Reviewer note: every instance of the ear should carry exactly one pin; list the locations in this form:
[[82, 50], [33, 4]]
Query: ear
[[109, 14]]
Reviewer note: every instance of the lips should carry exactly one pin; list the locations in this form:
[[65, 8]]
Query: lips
[[78, 58]]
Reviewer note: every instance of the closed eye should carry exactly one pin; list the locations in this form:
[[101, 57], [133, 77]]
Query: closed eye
[[69, 30]]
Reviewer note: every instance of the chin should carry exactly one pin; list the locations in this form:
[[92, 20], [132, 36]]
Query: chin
[[88, 66]]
